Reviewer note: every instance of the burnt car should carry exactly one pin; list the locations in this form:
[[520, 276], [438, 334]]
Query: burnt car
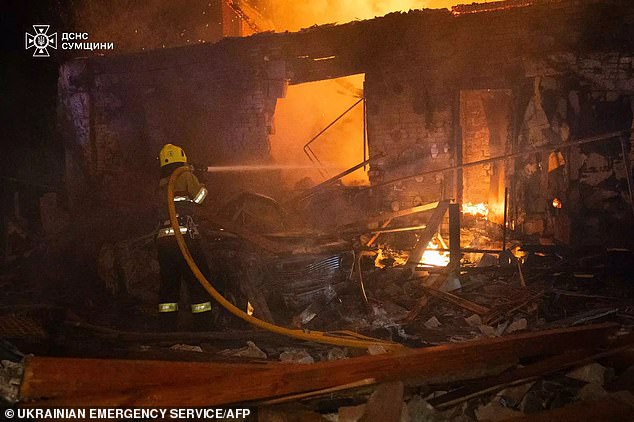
[[261, 260]]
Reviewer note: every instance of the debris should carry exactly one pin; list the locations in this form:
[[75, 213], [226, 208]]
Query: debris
[[608, 409], [411, 316], [336, 354], [487, 260], [10, 379], [186, 348], [351, 413], [625, 381], [592, 391], [503, 381], [519, 325], [376, 350], [250, 351], [315, 307], [453, 283], [512, 396], [254, 295], [456, 300], [590, 373], [624, 396], [296, 356], [324, 391], [591, 316], [488, 331], [419, 410], [474, 320], [499, 330], [521, 274], [494, 411], [432, 323], [584, 317], [385, 404]]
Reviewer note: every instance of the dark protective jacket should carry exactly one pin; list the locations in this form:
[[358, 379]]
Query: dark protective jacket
[[188, 192]]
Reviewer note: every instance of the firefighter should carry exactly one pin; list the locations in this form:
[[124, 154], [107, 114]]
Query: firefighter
[[188, 193]]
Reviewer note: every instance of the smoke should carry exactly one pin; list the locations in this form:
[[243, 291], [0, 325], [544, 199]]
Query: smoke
[[310, 107], [151, 24], [304, 112], [307, 108]]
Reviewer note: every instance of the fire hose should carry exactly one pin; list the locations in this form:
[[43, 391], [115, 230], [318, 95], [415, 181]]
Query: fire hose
[[337, 338]]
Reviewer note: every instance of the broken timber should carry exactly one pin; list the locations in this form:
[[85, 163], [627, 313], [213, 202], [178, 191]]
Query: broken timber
[[68, 381], [426, 236], [457, 300], [372, 223]]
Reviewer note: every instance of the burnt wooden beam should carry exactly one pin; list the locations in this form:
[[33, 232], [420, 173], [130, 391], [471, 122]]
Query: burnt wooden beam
[[426, 236], [457, 300], [99, 382], [372, 223]]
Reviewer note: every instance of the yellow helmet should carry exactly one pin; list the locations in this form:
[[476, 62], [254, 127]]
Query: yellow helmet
[[172, 154]]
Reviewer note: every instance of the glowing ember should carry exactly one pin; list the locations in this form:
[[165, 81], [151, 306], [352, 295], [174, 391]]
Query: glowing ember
[[556, 203], [478, 210], [434, 257]]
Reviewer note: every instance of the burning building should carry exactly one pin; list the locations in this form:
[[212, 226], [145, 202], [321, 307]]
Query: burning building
[[447, 95]]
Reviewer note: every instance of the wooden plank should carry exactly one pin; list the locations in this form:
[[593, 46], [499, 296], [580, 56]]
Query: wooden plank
[[437, 280], [426, 236], [255, 296], [102, 382], [378, 233], [372, 222], [457, 300]]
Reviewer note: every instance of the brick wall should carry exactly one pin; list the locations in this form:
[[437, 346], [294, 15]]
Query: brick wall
[[117, 113], [218, 100], [475, 147], [412, 127]]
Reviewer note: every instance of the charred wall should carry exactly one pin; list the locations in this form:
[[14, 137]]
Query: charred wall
[[442, 89], [116, 113], [500, 82]]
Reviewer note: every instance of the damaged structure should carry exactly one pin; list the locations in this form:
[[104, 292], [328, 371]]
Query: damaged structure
[[444, 90], [497, 145]]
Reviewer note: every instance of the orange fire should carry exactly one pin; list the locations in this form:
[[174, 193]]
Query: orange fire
[[478, 210], [432, 256]]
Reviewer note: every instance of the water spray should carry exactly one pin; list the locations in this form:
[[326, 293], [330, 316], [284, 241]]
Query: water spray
[[260, 167]]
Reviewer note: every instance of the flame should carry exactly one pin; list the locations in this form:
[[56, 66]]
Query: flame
[[477, 210], [307, 109], [381, 255], [294, 15], [433, 256]]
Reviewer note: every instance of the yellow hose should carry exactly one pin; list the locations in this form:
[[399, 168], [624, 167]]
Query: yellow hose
[[342, 338]]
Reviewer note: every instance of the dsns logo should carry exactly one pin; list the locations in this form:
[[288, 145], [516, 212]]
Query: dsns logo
[[40, 41]]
